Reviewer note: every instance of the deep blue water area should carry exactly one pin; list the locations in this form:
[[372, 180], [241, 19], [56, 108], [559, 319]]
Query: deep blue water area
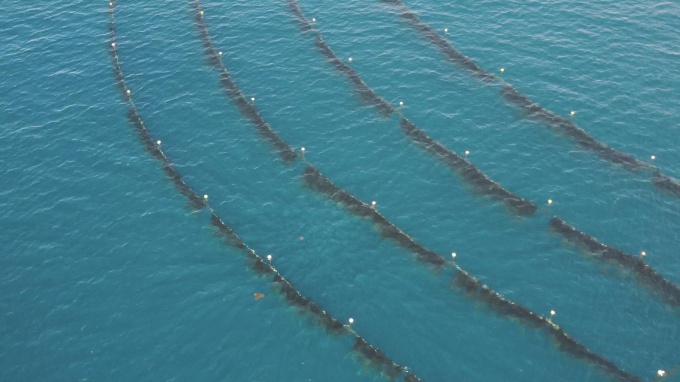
[[107, 274]]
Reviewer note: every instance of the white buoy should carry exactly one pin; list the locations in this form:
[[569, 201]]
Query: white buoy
[[302, 149], [201, 13], [110, 4], [373, 204], [269, 258], [453, 255], [158, 143], [205, 197], [643, 253], [401, 103], [113, 44], [572, 113], [351, 320], [128, 92], [661, 373], [467, 152], [220, 53], [252, 99], [549, 202], [552, 313], [446, 30], [653, 157], [313, 20], [502, 70], [350, 59]]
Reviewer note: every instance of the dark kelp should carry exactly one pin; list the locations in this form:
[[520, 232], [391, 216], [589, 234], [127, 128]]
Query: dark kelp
[[255, 262], [496, 302], [381, 362], [467, 170], [642, 272], [473, 175], [247, 109], [666, 183], [370, 96], [384, 107], [449, 51], [317, 182], [532, 110], [133, 115], [567, 127], [466, 283]]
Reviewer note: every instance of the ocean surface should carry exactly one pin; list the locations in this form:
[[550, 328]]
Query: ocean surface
[[107, 275]]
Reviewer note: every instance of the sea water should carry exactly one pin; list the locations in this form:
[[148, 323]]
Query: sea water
[[107, 275]]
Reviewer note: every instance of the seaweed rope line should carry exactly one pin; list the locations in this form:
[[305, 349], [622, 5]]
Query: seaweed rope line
[[535, 112], [642, 272], [378, 359], [663, 375], [667, 290], [469, 172], [465, 282]]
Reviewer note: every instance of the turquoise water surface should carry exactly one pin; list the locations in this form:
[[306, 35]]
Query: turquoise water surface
[[106, 274]]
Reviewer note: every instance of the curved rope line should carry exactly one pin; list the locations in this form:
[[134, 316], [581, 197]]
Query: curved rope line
[[462, 166], [669, 291], [373, 354], [643, 272], [465, 283], [533, 111]]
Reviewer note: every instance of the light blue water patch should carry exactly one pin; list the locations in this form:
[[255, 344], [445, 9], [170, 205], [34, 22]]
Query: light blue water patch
[[107, 275]]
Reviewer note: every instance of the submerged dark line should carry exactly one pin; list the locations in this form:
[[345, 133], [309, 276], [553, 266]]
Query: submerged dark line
[[643, 272], [317, 182], [246, 108], [470, 286], [150, 145], [565, 126], [470, 173], [312, 176], [513, 96], [255, 262], [533, 111], [666, 183], [461, 165], [449, 51], [385, 108], [566, 343]]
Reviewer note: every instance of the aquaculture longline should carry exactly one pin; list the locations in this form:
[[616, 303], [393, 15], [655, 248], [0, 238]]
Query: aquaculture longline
[[362, 347], [466, 283], [482, 183], [532, 110]]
